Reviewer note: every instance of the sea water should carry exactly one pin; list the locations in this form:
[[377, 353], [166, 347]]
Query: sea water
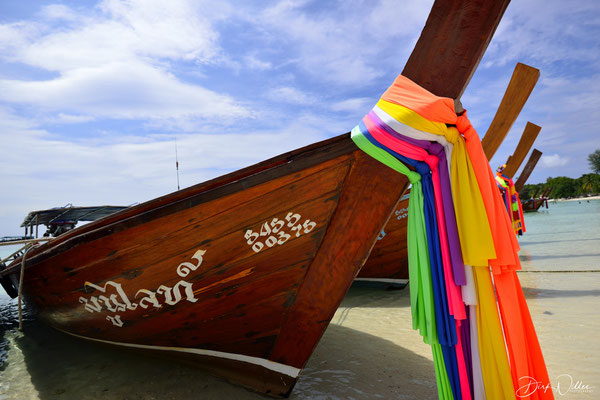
[[369, 350], [563, 237]]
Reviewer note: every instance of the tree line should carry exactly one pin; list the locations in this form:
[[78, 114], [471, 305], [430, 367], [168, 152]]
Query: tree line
[[565, 187]]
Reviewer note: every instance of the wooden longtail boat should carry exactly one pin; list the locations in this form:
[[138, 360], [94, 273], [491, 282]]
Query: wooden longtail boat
[[388, 261], [242, 274], [534, 203]]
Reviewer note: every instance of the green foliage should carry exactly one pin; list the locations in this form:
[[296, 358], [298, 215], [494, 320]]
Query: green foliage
[[564, 187], [594, 160], [588, 183]]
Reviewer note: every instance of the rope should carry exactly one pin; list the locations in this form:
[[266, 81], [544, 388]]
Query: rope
[[25, 241], [29, 247]]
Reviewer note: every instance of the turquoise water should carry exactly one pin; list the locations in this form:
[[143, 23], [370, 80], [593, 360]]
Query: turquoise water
[[564, 237]]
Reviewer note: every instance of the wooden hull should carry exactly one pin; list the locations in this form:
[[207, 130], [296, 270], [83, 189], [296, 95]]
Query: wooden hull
[[388, 262], [533, 205], [184, 275]]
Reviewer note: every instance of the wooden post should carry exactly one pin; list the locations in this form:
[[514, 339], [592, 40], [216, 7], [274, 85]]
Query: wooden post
[[531, 163], [529, 135], [520, 87], [451, 45]]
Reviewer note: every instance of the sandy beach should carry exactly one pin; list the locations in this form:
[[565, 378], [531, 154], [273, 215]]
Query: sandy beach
[[368, 352], [578, 199]]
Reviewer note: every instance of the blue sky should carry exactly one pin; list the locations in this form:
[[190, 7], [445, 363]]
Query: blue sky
[[94, 94]]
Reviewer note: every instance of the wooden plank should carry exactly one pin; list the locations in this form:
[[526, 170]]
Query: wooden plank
[[531, 163], [452, 43], [529, 135], [520, 87]]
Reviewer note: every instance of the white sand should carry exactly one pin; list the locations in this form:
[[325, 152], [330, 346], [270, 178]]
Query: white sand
[[578, 199]]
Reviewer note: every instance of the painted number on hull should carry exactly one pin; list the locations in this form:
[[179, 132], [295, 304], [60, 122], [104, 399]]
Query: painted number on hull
[[114, 299], [401, 213], [274, 232]]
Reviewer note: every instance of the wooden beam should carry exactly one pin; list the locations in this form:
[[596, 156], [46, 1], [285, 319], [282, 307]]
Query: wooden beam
[[454, 39], [531, 163], [519, 88], [529, 135]]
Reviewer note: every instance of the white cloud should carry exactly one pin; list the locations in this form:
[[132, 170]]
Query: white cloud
[[357, 104], [123, 90], [114, 62], [546, 31], [253, 62], [71, 119], [343, 46], [58, 12], [124, 31], [291, 95], [554, 161]]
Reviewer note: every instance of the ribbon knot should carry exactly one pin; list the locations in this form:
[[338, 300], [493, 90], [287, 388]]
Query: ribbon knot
[[452, 135], [464, 125], [414, 177]]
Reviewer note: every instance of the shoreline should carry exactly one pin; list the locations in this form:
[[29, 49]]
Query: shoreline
[[577, 199]]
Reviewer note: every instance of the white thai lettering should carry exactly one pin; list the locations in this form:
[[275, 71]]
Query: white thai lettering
[[275, 226], [119, 302], [150, 298], [116, 320], [173, 295], [185, 268]]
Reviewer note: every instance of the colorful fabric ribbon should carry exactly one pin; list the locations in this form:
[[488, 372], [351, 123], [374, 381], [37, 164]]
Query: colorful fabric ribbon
[[459, 237], [512, 200]]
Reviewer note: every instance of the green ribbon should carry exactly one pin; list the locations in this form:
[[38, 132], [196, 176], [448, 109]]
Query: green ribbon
[[419, 267]]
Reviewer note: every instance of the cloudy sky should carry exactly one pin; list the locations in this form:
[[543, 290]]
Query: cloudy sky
[[95, 96]]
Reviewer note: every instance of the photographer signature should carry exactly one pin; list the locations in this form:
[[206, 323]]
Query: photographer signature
[[564, 384]]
